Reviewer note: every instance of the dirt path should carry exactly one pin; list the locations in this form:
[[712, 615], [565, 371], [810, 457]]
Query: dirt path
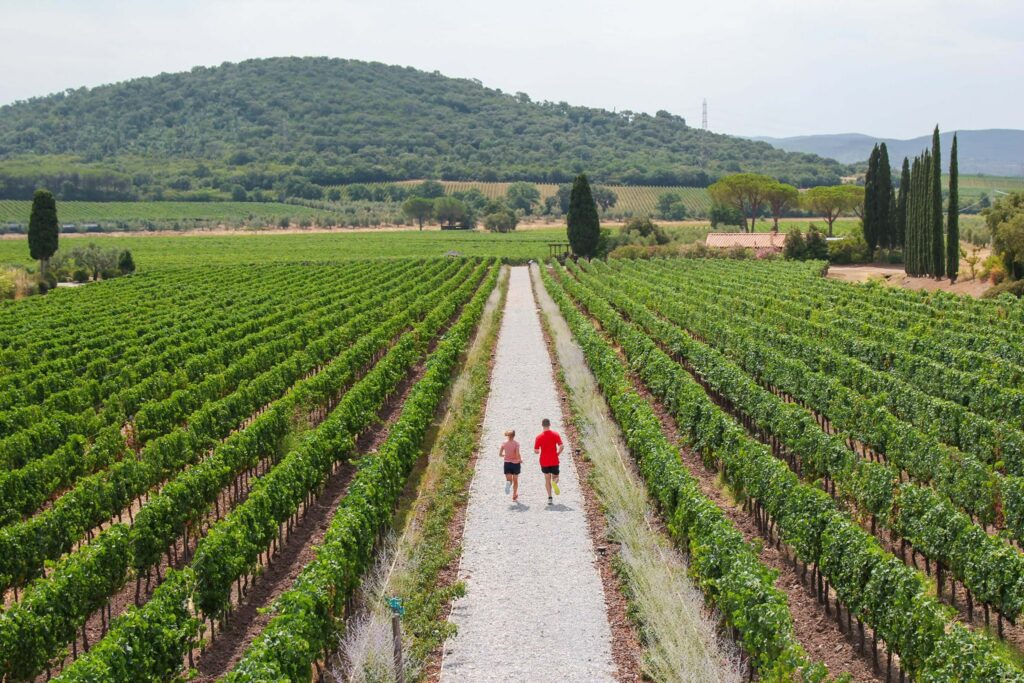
[[534, 608], [894, 276]]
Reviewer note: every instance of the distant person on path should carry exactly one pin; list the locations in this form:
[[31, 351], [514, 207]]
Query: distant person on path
[[513, 463], [549, 446]]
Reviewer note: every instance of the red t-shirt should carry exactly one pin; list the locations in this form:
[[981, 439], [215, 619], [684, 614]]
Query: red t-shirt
[[548, 442]]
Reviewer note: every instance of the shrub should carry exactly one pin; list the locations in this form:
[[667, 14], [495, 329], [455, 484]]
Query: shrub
[[817, 245], [125, 262], [7, 287], [795, 247], [631, 251], [644, 228], [1014, 287], [80, 275], [849, 250], [501, 221]]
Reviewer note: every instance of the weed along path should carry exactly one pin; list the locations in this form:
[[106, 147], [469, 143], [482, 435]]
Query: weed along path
[[534, 608]]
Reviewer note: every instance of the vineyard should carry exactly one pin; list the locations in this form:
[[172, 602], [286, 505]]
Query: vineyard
[[17, 211], [633, 200], [174, 251], [196, 465], [164, 437], [872, 435]]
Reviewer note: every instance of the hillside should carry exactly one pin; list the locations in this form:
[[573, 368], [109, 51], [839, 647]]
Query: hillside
[[289, 126], [992, 152]]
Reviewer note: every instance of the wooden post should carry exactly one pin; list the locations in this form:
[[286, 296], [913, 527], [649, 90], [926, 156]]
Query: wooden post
[[396, 632]]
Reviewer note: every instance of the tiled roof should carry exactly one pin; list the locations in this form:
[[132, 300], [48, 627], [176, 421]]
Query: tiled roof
[[749, 240]]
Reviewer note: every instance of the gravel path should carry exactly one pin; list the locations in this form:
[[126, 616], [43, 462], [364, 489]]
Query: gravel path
[[534, 608]]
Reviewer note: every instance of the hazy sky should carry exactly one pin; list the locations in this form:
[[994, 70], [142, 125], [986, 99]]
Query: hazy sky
[[890, 68]]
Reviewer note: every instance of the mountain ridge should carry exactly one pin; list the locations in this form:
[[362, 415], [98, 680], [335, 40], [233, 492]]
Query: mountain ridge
[[990, 151]]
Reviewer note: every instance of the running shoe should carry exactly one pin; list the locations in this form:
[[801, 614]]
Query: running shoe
[[550, 502], [554, 485], [508, 487]]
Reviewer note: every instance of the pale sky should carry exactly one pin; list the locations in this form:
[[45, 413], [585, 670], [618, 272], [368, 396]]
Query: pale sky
[[890, 68]]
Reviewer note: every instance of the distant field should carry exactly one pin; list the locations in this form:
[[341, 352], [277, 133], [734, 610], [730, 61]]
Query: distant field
[[17, 211], [973, 187], [162, 251], [636, 200], [991, 182]]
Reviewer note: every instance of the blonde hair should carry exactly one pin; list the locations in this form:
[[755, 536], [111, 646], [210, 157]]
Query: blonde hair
[[511, 433]]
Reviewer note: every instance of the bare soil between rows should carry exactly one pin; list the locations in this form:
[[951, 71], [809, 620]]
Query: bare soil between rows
[[894, 276]]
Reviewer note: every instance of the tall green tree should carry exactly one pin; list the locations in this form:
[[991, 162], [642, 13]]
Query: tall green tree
[[781, 198], [605, 197], [429, 189], [831, 201], [671, 206], [900, 230], [953, 217], [869, 221], [746, 192], [893, 211], [523, 196], [419, 209], [584, 227], [1006, 221], [883, 199], [909, 197], [917, 235], [43, 228], [451, 213], [925, 215], [938, 246]]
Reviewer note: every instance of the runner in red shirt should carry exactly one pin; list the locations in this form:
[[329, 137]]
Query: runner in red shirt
[[548, 445]]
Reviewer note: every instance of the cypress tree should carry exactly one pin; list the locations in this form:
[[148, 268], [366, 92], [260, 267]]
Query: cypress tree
[[43, 229], [883, 198], [584, 226], [938, 250], [913, 236], [925, 217], [953, 217], [893, 212], [869, 222], [900, 233], [917, 235]]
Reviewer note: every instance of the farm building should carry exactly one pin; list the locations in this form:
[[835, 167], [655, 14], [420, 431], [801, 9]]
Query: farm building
[[746, 240]]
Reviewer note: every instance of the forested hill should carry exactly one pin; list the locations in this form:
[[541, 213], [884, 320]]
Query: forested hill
[[279, 123]]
